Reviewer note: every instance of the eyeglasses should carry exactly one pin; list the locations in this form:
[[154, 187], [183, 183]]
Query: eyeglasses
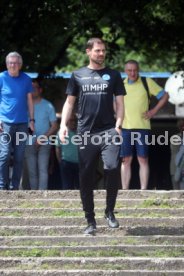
[[13, 63]]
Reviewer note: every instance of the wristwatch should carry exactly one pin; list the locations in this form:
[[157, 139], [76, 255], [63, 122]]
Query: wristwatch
[[32, 120], [119, 126]]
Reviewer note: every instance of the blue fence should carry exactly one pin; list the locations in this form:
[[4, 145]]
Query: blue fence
[[123, 75]]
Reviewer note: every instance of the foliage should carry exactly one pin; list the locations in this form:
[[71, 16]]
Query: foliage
[[51, 34]]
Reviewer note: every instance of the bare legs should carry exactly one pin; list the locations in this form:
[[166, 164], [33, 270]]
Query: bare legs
[[126, 172], [143, 172]]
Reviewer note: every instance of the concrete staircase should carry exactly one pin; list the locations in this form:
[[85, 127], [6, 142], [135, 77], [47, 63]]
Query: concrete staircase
[[41, 233]]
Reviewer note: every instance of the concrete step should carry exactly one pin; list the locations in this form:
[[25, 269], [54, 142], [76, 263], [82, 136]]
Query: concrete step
[[155, 251], [81, 240], [74, 194], [41, 233], [70, 202], [91, 263], [101, 230], [101, 221], [93, 272], [78, 212]]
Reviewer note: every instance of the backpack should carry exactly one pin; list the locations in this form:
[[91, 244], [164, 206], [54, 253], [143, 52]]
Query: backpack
[[144, 81]]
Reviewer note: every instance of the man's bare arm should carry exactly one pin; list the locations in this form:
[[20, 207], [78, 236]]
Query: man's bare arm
[[119, 109], [65, 116]]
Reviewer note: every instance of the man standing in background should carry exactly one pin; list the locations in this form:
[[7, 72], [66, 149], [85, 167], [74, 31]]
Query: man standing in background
[[137, 121], [37, 154], [15, 106]]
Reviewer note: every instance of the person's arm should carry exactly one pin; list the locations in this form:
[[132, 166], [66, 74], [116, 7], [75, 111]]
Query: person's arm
[[65, 116], [31, 110], [119, 109], [152, 112], [53, 129]]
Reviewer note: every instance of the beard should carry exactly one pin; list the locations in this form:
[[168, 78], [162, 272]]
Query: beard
[[98, 61]]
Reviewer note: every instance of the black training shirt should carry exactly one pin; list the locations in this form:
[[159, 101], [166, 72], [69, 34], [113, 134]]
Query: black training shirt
[[95, 90]]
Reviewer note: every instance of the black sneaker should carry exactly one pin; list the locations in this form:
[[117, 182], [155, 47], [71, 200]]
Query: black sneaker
[[112, 221], [90, 229]]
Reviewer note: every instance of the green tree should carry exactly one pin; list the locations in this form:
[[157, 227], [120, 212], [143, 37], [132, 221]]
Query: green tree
[[51, 34]]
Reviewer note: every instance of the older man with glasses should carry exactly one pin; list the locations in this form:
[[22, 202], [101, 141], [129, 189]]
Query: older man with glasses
[[15, 106]]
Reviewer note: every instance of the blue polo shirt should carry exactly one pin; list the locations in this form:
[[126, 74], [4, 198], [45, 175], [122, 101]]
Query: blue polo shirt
[[13, 97]]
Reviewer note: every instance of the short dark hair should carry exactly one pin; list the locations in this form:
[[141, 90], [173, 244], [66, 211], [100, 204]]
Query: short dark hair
[[38, 81], [132, 61], [94, 40]]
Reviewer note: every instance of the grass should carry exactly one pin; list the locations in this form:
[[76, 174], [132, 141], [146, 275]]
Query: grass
[[97, 253], [88, 242], [11, 214], [158, 253], [34, 252], [41, 204], [59, 212], [69, 266], [11, 232], [67, 213], [28, 204], [146, 203], [158, 203], [150, 203]]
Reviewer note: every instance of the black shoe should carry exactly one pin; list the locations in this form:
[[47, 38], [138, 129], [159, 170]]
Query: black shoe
[[112, 221], [90, 229]]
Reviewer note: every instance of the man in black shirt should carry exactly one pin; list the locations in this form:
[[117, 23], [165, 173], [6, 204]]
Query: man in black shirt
[[97, 89]]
